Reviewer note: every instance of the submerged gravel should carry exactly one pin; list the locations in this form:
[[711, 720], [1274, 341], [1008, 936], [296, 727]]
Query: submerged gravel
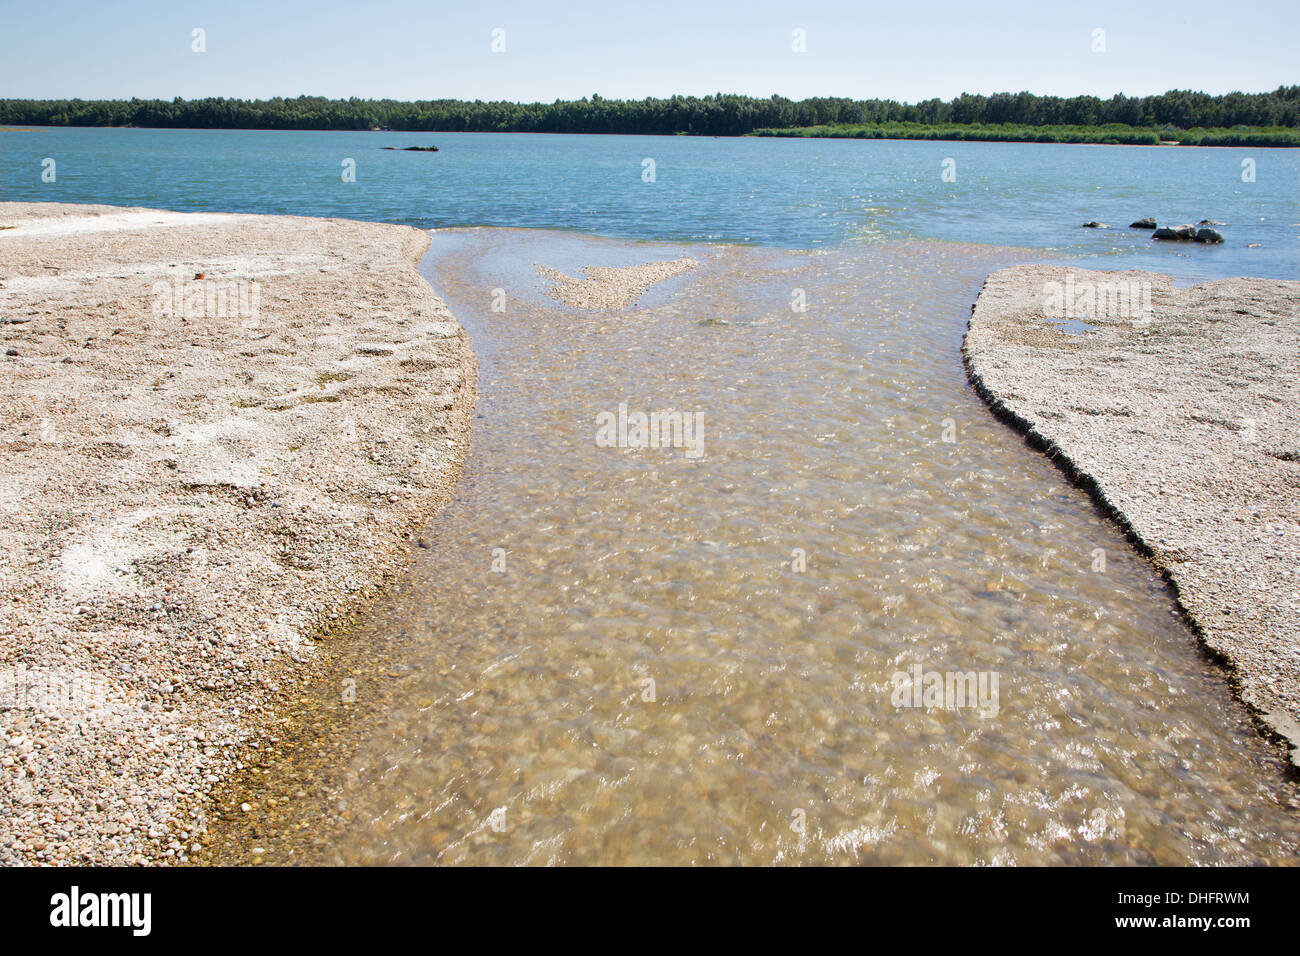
[[611, 288]]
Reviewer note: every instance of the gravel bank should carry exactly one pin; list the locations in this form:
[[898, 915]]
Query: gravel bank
[[1184, 421], [610, 288], [199, 474]]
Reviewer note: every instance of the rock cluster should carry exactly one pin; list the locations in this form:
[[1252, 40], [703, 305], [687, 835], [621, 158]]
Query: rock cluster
[[1201, 232]]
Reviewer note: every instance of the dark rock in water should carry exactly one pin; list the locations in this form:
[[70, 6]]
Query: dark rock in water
[[1147, 223], [1095, 225], [1164, 232], [1211, 222], [1209, 235], [1186, 232]]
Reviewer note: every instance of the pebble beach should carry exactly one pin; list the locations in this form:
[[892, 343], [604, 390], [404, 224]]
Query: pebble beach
[[218, 432], [1182, 422]]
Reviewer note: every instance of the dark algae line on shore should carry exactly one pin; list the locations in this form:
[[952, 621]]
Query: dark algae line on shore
[[635, 655]]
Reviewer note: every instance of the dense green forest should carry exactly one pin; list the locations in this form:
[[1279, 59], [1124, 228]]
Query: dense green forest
[[717, 115]]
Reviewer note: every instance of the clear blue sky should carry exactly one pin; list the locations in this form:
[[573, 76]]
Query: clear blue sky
[[904, 49]]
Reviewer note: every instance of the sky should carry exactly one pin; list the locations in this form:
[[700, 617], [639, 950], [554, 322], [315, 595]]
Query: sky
[[905, 49]]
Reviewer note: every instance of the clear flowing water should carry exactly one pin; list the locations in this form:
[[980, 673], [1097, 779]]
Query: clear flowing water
[[625, 655], [786, 193], [647, 655]]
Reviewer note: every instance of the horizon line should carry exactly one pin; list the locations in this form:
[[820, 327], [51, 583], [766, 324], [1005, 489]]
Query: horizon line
[[627, 99]]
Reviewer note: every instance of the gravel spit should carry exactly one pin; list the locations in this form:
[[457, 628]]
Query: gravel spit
[[198, 476], [1184, 423]]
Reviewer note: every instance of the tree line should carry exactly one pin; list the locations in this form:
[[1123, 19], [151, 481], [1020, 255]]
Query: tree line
[[717, 115]]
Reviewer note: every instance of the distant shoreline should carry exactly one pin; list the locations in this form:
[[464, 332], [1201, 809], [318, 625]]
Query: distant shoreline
[[1112, 135], [972, 133], [1232, 119]]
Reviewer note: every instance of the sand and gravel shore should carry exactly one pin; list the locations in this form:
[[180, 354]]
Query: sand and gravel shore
[[199, 474], [1184, 422], [219, 432]]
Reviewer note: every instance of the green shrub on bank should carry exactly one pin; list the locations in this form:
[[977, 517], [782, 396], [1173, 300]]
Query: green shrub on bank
[[1114, 133]]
